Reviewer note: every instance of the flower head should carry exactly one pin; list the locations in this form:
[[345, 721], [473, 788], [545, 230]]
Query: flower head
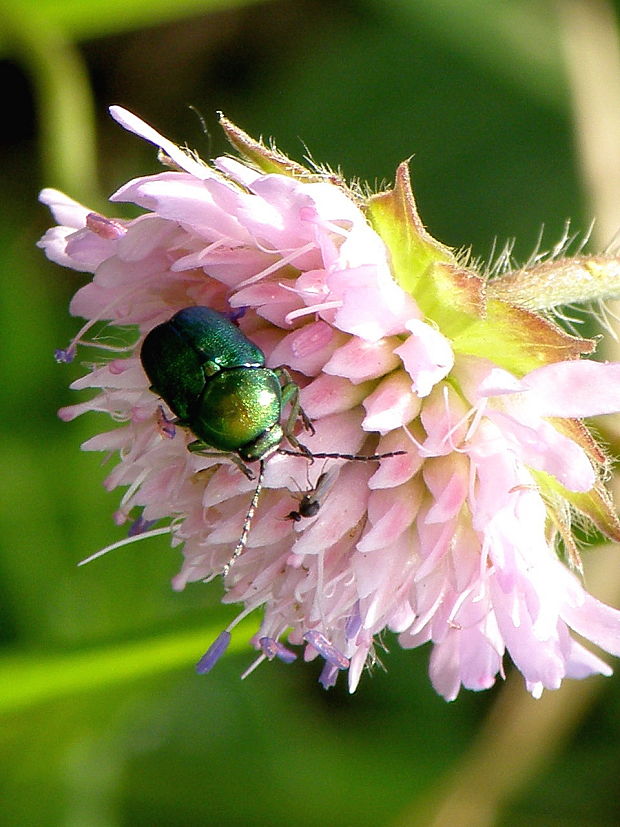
[[397, 349]]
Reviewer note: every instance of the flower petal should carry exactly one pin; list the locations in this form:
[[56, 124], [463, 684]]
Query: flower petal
[[575, 389], [391, 404], [427, 356]]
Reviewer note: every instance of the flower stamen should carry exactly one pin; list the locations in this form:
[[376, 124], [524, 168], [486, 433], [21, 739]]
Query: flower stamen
[[277, 265], [155, 532]]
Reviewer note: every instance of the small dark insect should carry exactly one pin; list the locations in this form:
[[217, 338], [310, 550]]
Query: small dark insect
[[312, 499]]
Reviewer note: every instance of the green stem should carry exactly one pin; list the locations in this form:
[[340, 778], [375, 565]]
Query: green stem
[[63, 100], [578, 280]]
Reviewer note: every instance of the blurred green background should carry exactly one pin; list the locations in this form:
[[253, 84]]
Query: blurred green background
[[104, 721]]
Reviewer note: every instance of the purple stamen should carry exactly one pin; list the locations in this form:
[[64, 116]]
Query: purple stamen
[[165, 426], [274, 649], [65, 356], [139, 526], [328, 676], [213, 653], [237, 313], [354, 623], [326, 649]]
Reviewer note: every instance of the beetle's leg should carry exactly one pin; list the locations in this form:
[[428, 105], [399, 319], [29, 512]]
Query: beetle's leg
[[248, 520], [290, 393], [241, 466], [200, 447]]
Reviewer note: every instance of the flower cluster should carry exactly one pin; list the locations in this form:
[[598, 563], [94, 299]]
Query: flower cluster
[[458, 537]]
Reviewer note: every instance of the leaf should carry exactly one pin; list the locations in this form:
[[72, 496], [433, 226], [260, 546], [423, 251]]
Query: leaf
[[98, 18], [34, 678]]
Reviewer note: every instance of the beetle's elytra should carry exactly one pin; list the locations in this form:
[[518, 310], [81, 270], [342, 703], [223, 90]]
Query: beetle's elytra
[[215, 380]]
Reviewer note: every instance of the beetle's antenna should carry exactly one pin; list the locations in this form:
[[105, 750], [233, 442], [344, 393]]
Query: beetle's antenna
[[248, 520], [359, 457]]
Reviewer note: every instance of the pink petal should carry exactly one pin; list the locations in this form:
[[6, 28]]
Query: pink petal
[[65, 210], [444, 419], [144, 235], [427, 356], [331, 394], [394, 471], [308, 348], [335, 433], [480, 661], [540, 660], [88, 251], [481, 378], [134, 124], [280, 217], [391, 405], [373, 306], [229, 263], [266, 292], [445, 668], [595, 621], [340, 513], [575, 389], [541, 446], [387, 579], [435, 542], [390, 512], [108, 440], [236, 170], [447, 478], [180, 197], [120, 373], [370, 571], [54, 243], [582, 663], [360, 360]]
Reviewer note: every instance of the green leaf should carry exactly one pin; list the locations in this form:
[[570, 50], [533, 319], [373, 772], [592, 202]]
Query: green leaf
[[34, 678], [98, 18]]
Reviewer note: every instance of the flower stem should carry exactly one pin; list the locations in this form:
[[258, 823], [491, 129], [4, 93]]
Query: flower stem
[[63, 97], [578, 280]]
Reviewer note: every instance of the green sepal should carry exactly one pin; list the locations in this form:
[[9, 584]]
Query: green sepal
[[266, 159], [577, 431], [428, 270], [518, 340], [394, 215], [595, 504], [454, 297]]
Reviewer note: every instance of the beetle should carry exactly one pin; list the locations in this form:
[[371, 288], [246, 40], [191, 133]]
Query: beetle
[[215, 381], [312, 499]]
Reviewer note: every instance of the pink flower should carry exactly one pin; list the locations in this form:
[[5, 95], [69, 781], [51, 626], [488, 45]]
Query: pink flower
[[396, 349]]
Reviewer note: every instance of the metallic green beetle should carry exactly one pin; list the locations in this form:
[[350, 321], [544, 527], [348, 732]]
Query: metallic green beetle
[[215, 381]]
